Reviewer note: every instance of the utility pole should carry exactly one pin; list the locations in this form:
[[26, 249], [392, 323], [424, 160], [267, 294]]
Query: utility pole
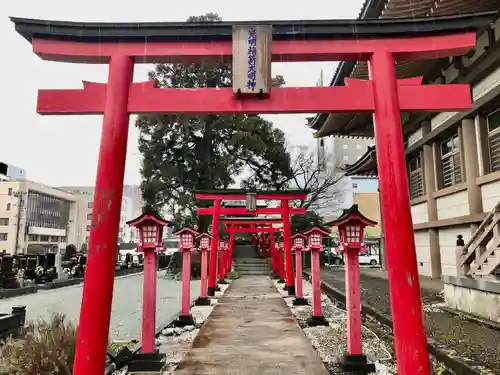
[[20, 206]]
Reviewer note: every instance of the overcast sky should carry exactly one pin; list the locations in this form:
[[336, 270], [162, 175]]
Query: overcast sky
[[62, 150]]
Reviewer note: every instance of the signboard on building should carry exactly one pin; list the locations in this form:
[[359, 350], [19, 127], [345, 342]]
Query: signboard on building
[[252, 56]]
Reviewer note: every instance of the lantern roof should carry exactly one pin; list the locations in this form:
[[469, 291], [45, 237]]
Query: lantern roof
[[186, 229], [148, 216], [298, 235], [352, 214], [200, 235], [316, 229]]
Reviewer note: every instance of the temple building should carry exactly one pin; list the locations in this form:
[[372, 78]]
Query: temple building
[[453, 158]]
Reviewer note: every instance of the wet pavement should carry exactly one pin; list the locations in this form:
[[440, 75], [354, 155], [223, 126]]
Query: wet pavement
[[477, 344], [251, 331], [126, 314]]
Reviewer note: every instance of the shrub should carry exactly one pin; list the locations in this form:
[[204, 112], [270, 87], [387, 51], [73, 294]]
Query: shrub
[[45, 348]]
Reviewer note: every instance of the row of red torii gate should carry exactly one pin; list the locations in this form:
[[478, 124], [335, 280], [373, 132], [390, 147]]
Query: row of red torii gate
[[258, 220]]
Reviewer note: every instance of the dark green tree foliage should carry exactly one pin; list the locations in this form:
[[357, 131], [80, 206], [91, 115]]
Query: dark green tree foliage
[[302, 223], [183, 153]]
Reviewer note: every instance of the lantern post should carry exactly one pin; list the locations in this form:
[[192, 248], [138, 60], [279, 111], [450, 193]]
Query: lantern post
[[298, 245], [187, 236], [223, 249], [351, 225], [232, 244], [281, 260], [315, 246], [150, 226], [204, 248], [274, 256]]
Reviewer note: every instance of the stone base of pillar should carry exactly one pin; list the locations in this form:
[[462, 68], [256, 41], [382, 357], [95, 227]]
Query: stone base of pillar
[[281, 281], [202, 301], [146, 362], [217, 288], [300, 301], [184, 320], [291, 290], [211, 291], [223, 282], [315, 321], [356, 363]]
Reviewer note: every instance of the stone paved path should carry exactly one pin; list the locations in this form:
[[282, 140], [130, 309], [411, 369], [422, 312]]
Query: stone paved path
[[251, 331], [469, 340], [126, 312]]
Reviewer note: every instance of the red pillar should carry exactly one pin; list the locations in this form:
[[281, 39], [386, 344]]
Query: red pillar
[[212, 274], [288, 247], [281, 265], [232, 244], [299, 295], [203, 300], [149, 301], [222, 265], [409, 333], [274, 255], [353, 302], [95, 313]]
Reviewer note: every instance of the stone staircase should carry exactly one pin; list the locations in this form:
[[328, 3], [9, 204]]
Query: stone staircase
[[248, 262], [481, 254]]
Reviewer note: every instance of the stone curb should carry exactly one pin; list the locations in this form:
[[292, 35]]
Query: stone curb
[[458, 366]]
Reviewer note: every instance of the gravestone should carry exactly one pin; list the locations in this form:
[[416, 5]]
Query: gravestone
[[30, 268], [50, 260], [58, 259], [7, 274], [22, 262]]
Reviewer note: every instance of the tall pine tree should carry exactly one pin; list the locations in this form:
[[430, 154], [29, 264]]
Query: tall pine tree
[[183, 153]]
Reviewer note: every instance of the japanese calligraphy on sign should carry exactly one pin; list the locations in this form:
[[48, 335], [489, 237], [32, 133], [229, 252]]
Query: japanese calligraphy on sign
[[252, 58]]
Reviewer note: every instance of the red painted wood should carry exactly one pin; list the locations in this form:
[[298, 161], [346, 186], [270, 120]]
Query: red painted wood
[[281, 264], [243, 211], [290, 279], [298, 274], [232, 244], [353, 302], [186, 283], [204, 273], [260, 196], [409, 333], [411, 48], [149, 302], [244, 221], [352, 98], [212, 274], [95, 313], [316, 283], [222, 263], [251, 230], [274, 255]]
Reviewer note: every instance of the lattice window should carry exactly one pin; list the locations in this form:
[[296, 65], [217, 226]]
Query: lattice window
[[149, 234], [416, 177], [493, 120], [315, 239], [353, 233], [451, 161]]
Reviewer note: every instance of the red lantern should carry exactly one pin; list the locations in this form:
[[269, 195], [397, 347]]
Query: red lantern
[[186, 236], [204, 241], [315, 237], [150, 227], [298, 241], [351, 226]]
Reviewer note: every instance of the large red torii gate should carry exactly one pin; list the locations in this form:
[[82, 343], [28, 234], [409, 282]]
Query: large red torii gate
[[380, 42]]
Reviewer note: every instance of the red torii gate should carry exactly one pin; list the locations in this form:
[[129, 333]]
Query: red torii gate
[[252, 225], [380, 42], [217, 196]]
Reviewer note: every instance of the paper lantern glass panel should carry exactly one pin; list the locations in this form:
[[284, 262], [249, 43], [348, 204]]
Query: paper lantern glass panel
[[298, 242], [205, 242], [187, 240], [149, 234]]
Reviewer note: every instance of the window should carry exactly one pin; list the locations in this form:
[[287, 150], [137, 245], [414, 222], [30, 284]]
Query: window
[[33, 237], [90, 204], [416, 178], [89, 216], [493, 121], [358, 147], [44, 238], [450, 161], [54, 239], [4, 221], [10, 191], [346, 157], [355, 186], [345, 147], [3, 236], [88, 228], [8, 206]]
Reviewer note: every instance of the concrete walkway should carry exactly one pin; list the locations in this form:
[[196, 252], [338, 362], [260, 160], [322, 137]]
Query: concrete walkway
[[251, 331]]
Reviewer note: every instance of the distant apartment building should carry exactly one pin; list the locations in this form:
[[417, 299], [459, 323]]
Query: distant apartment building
[[130, 208], [35, 217]]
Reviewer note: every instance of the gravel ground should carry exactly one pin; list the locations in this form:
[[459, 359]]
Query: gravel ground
[[479, 345], [126, 313], [331, 342]]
